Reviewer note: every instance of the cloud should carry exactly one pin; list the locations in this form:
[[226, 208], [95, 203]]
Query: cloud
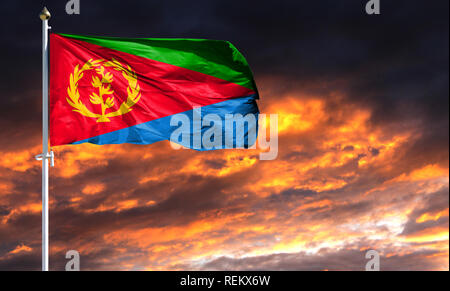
[[431, 215], [363, 148], [327, 260]]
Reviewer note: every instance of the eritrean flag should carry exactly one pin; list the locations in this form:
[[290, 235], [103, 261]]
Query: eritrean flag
[[107, 90]]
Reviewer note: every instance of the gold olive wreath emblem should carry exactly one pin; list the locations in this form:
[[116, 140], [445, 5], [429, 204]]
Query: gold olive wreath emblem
[[104, 89]]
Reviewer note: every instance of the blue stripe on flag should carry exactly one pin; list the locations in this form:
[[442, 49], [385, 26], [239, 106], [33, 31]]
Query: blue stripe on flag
[[160, 129]]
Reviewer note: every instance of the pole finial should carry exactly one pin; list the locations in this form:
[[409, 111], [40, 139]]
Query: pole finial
[[45, 14]]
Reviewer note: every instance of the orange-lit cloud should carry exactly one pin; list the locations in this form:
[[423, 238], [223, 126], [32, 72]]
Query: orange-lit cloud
[[20, 248], [93, 189], [340, 185]]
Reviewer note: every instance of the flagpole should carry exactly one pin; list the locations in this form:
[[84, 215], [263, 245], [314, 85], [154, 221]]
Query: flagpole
[[46, 155]]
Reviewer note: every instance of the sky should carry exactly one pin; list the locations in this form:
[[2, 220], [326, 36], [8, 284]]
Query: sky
[[363, 161]]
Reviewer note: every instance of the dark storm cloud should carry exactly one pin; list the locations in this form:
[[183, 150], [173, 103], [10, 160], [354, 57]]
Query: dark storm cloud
[[21, 262], [400, 55]]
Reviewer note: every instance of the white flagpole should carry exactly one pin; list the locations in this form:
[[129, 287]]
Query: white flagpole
[[46, 155]]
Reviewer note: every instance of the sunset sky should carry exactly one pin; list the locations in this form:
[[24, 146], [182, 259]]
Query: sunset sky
[[363, 157]]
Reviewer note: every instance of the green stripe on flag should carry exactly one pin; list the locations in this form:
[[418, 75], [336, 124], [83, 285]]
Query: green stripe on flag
[[216, 58]]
